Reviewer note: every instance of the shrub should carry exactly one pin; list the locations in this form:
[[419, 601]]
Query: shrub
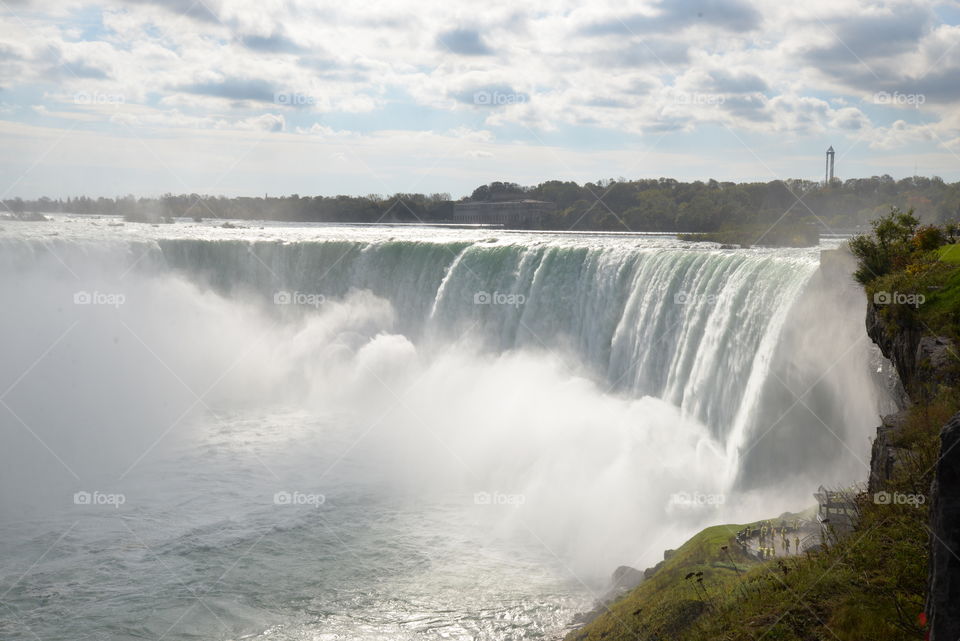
[[928, 238]]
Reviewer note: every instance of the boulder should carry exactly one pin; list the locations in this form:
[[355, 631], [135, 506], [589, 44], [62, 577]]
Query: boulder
[[884, 456], [626, 578]]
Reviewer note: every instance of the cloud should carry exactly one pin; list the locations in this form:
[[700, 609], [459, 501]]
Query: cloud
[[859, 38], [234, 89], [264, 122], [491, 95], [146, 118], [8, 52], [466, 42], [724, 81], [849, 118], [316, 129], [660, 52], [612, 103], [678, 15], [319, 63], [751, 108], [661, 67], [275, 43], [202, 10], [83, 69], [941, 86]]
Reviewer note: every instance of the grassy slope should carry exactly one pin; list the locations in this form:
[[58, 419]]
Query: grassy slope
[[659, 603], [867, 586], [937, 278]]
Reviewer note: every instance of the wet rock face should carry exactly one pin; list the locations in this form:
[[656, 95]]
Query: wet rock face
[[943, 598], [898, 346], [937, 358], [920, 360], [884, 457]]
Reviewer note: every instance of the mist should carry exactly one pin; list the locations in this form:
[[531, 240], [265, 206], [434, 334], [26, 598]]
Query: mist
[[528, 441]]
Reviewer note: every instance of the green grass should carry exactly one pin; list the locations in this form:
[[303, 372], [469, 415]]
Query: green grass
[[949, 254], [664, 601], [868, 586], [941, 310], [936, 277], [664, 605]]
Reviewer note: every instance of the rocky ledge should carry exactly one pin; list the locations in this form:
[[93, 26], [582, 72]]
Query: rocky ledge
[[921, 361]]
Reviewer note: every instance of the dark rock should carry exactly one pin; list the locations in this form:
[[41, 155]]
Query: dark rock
[[920, 360], [943, 613], [649, 572], [899, 346], [937, 356], [626, 578], [884, 456]]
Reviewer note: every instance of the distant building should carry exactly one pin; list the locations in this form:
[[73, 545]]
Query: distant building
[[510, 213], [829, 172]]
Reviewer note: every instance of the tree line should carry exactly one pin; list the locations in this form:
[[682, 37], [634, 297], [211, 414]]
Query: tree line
[[662, 204]]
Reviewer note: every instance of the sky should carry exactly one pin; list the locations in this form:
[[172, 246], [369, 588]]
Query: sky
[[253, 97]]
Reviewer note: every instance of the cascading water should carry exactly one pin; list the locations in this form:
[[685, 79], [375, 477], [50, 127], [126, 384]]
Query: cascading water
[[695, 328], [516, 407]]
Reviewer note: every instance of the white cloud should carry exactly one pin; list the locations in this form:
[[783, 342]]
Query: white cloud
[[786, 70]]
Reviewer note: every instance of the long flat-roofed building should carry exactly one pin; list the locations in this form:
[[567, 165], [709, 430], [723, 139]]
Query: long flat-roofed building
[[510, 213]]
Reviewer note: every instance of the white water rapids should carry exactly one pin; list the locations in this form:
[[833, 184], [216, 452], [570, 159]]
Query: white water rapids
[[319, 432]]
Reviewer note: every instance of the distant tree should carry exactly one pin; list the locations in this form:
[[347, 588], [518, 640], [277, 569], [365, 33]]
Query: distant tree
[[880, 253]]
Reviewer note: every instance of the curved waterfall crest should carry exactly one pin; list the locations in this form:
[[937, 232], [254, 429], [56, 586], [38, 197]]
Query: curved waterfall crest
[[694, 326]]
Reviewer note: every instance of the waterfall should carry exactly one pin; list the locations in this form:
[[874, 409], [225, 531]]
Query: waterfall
[[694, 326], [591, 381]]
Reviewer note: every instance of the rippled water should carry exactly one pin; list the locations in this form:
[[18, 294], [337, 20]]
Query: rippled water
[[199, 550]]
